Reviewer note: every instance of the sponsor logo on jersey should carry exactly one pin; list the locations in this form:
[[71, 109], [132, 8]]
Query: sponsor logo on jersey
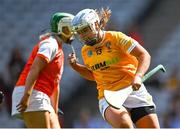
[[105, 64]]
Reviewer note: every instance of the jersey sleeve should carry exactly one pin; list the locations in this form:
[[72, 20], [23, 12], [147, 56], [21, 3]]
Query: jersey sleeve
[[47, 51], [125, 42]]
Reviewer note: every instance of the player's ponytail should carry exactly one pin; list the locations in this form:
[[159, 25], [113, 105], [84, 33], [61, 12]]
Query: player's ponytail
[[104, 15]]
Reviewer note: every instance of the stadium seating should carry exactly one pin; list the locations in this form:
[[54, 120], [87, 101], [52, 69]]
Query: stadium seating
[[169, 54], [23, 21]]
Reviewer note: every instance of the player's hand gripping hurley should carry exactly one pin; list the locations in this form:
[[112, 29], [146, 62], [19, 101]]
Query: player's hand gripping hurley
[[117, 98]]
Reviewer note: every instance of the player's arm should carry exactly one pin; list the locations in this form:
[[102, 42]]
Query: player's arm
[[38, 64], [81, 69], [143, 58], [36, 68], [131, 46]]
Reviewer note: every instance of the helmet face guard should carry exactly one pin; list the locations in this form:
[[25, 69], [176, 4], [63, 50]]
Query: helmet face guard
[[61, 24], [86, 35], [85, 26], [64, 27]]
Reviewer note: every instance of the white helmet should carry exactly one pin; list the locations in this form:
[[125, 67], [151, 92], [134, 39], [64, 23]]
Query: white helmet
[[87, 17], [60, 20]]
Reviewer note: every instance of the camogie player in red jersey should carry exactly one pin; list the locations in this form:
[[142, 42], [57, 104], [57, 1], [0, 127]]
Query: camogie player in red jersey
[[115, 61], [36, 94]]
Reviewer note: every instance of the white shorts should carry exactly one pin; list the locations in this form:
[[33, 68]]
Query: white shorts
[[139, 98], [39, 101]]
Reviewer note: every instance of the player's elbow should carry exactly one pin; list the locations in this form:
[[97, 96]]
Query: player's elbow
[[144, 57], [148, 56], [89, 77]]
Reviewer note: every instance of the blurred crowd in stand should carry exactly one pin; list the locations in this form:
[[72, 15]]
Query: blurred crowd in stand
[[13, 68]]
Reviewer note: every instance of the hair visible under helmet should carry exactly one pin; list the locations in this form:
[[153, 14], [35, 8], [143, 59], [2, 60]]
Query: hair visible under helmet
[[91, 18], [104, 15]]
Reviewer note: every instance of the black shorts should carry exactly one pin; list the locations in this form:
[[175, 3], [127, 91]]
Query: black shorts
[[138, 113]]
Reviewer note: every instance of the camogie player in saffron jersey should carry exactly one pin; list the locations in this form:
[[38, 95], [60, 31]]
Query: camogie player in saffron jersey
[[36, 94], [115, 61]]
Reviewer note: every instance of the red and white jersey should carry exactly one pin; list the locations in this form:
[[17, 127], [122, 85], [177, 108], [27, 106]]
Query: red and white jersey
[[51, 51]]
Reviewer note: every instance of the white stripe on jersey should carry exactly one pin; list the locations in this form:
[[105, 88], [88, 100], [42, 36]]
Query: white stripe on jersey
[[48, 48], [125, 41], [134, 43]]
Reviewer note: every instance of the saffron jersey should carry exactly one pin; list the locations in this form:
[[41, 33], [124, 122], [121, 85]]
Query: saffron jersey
[[48, 80], [110, 61]]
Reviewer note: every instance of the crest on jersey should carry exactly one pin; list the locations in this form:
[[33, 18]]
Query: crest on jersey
[[89, 53], [108, 46]]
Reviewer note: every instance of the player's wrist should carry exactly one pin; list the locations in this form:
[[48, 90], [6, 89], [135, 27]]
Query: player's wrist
[[27, 93], [138, 78], [72, 63], [140, 75]]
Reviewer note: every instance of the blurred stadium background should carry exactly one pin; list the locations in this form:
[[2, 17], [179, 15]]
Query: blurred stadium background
[[154, 23]]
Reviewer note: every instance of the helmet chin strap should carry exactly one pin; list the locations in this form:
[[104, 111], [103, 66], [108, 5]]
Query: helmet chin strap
[[97, 39], [66, 35], [92, 42], [62, 39]]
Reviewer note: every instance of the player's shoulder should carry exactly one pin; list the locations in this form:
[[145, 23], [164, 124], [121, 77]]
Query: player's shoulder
[[49, 42], [84, 48], [115, 34], [49, 39]]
